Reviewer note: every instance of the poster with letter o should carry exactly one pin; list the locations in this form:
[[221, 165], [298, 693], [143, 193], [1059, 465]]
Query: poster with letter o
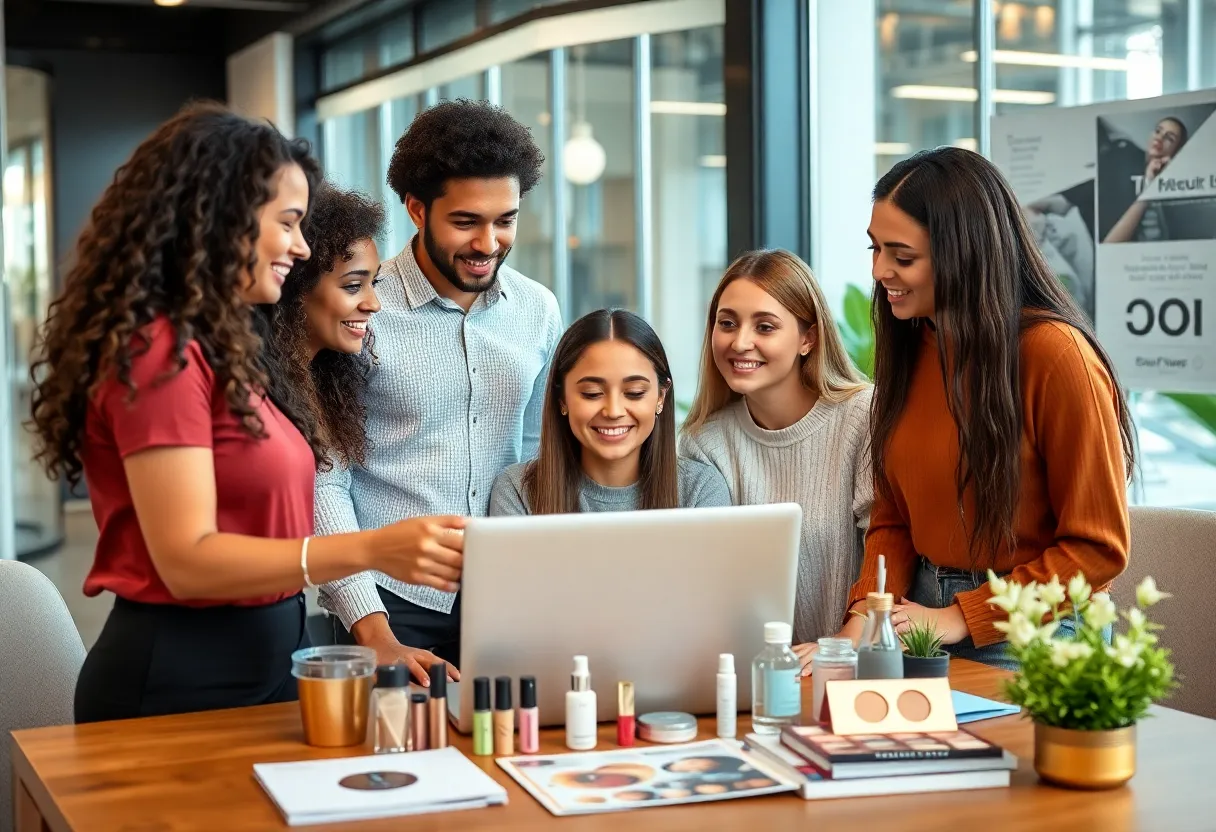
[[1122, 200]]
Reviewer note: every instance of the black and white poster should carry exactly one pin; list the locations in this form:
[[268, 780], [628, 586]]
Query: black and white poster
[[1122, 199]]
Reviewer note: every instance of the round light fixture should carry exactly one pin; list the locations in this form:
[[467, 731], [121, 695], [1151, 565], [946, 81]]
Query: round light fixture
[[169, 2], [584, 157]]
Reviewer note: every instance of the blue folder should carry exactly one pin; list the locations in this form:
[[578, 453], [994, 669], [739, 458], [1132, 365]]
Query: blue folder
[[968, 708]]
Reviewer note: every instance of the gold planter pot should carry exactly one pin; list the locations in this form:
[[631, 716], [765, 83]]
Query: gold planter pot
[[1085, 759]]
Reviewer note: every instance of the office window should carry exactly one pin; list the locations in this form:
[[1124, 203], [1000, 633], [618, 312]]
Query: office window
[[926, 86], [471, 87], [446, 21], [351, 151], [396, 39], [600, 176], [688, 187], [525, 95], [396, 116], [501, 10]]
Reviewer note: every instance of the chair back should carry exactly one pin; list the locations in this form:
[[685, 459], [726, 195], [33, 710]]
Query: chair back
[[1177, 547], [40, 657]]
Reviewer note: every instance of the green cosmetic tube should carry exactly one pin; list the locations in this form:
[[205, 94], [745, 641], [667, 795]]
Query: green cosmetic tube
[[483, 723]]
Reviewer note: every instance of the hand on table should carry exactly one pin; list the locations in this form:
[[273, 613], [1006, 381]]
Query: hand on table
[[949, 620], [419, 661], [373, 631]]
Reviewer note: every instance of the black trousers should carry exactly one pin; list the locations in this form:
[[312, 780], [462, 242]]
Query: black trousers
[[153, 659], [416, 626]]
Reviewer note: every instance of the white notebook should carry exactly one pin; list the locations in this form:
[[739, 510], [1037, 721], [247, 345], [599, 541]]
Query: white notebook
[[377, 786]]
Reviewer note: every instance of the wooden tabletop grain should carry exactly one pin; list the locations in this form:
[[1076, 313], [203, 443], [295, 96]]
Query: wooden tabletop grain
[[195, 772]]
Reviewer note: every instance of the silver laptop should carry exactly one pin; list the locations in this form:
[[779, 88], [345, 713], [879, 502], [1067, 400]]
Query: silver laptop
[[650, 597]]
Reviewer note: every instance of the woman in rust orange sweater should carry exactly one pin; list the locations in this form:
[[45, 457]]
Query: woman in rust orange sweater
[[1001, 438]]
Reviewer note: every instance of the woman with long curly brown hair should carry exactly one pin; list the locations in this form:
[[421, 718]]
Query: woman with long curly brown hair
[[151, 382], [1001, 438], [320, 330]]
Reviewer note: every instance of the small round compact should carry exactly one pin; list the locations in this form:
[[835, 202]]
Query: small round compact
[[667, 726]]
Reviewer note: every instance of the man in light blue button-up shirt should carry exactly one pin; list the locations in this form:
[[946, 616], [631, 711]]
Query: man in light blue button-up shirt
[[463, 344]]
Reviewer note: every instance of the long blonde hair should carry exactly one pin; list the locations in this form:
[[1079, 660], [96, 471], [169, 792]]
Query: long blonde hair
[[828, 368]]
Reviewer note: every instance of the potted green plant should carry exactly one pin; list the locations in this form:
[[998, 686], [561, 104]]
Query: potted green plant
[[1085, 695], [923, 653]]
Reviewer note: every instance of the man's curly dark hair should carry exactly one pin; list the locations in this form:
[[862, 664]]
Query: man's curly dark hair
[[172, 235], [462, 139], [332, 382]]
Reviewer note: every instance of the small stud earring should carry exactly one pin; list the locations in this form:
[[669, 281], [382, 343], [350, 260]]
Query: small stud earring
[[659, 410], [564, 411]]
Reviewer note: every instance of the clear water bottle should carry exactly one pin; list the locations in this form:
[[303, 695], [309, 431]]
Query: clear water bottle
[[878, 653], [776, 682]]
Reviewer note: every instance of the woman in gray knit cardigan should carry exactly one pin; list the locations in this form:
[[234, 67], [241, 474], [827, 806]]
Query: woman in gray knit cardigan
[[783, 413]]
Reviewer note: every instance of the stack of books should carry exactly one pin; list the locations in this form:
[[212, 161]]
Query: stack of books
[[826, 765]]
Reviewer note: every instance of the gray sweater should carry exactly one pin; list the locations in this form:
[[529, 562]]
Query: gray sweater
[[700, 486], [821, 462]]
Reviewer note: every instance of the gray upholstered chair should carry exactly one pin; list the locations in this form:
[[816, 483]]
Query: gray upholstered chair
[[1178, 548], [41, 654]]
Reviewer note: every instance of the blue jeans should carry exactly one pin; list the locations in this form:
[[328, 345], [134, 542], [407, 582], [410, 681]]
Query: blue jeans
[[936, 586]]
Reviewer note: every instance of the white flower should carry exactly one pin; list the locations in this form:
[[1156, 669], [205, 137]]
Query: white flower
[[1100, 613], [1047, 630], [1125, 651], [998, 585], [1147, 593], [1078, 589], [1052, 594], [1033, 607], [1064, 652], [1018, 629], [1136, 620]]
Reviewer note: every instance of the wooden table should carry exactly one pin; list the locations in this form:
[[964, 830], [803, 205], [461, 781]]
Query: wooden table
[[195, 772]]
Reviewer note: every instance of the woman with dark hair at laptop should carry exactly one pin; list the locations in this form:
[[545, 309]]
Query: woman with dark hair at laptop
[[608, 433]]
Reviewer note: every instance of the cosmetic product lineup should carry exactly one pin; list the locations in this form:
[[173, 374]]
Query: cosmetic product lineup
[[404, 721]]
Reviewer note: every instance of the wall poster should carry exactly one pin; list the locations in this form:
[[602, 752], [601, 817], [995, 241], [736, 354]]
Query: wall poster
[[1122, 199]]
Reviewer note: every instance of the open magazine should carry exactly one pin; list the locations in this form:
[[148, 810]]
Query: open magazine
[[633, 778]]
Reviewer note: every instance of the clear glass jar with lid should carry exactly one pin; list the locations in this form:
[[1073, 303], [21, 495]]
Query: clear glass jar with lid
[[835, 659]]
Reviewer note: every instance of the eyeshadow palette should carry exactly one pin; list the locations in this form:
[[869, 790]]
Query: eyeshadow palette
[[860, 748], [887, 706]]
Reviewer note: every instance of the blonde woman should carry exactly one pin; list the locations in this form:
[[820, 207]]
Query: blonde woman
[[783, 413]]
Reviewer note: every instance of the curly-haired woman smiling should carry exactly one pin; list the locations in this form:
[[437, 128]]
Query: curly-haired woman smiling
[[151, 381], [321, 330]]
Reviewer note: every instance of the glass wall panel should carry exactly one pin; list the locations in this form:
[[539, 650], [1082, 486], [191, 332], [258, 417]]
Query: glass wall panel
[[351, 151], [396, 117], [396, 39], [600, 176], [471, 87], [1077, 52], [926, 87], [37, 507], [525, 95], [688, 172], [446, 21], [501, 10]]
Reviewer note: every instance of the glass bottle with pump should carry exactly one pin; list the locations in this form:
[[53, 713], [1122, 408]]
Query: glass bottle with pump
[[878, 653]]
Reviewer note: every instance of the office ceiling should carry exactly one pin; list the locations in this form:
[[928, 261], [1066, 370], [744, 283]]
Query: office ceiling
[[204, 27]]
